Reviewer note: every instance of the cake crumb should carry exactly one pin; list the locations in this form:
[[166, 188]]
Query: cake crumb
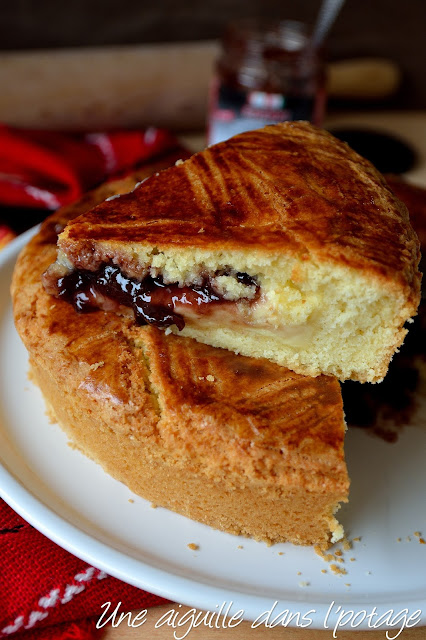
[[240, 546], [299, 573], [347, 545], [50, 415], [352, 559], [347, 584], [280, 553], [178, 162], [398, 539], [422, 541], [131, 500], [339, 553], [96, 365], [408, 539], [303, 583], [338, 570], [417, 534], [328, 557], [200, 377], [358, 539], [210, 378], [323, 570], [153, 505], [193, 546]]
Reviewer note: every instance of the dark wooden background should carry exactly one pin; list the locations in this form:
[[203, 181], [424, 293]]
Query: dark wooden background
[[391, 28]]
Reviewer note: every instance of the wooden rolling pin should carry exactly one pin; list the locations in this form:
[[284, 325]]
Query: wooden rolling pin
[[164, 85], [363, 79]]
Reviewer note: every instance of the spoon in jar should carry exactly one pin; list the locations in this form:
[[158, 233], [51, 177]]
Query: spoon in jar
[[326, 17]]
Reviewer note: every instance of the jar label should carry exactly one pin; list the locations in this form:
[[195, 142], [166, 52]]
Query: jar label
[[234, 110]]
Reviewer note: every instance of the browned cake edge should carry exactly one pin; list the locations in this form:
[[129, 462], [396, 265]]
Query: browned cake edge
[[270, 514]]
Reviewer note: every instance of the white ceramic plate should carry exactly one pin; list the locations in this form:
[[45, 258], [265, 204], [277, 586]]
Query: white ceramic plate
[[72, 501]]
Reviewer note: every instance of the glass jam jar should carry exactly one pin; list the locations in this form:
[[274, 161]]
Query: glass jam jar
[[266, 73]]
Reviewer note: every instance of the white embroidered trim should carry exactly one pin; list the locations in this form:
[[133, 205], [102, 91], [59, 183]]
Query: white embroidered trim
[[54, 598]]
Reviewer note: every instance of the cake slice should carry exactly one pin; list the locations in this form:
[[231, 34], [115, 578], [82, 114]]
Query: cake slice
[[238, 443], [280, 243]]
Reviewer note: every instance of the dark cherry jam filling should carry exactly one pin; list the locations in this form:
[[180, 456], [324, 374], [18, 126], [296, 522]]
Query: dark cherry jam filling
[[152, 301]]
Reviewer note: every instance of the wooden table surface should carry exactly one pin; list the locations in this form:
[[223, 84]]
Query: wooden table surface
[[243, 631]]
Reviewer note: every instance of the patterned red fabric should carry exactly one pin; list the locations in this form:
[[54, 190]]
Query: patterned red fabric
[[81, 630], [48, 594], [47, 169]]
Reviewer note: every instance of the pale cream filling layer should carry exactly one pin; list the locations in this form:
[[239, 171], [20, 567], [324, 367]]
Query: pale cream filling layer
[[239, 317]]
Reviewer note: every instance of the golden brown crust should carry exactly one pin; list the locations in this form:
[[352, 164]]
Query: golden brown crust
[[414, 198], [286, 188], [272, 417], [203, 415]]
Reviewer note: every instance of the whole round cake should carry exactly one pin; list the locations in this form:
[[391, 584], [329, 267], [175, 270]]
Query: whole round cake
[[241, 444]]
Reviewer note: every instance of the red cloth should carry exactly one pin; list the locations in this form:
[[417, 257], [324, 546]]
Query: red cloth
[[48, 594], [47, 169]]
